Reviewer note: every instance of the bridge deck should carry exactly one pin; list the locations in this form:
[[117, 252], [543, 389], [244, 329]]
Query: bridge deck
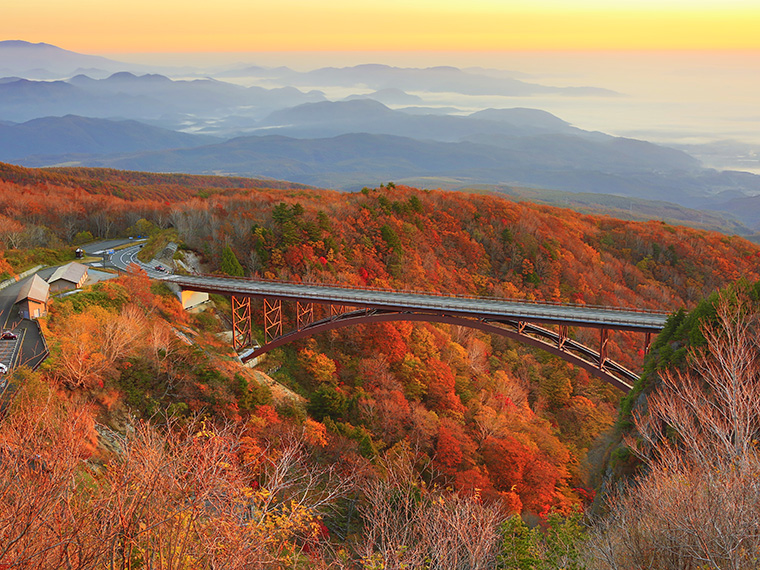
[[481, 308]]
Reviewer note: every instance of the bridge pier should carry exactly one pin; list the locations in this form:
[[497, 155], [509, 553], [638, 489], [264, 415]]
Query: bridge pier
[[304, 314], [604, 337], [241, 322], [272, 319], [562, 337]]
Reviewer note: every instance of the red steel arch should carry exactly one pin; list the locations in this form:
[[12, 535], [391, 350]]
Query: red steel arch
[[527, 333]]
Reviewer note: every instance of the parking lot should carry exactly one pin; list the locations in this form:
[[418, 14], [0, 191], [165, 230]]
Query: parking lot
[[9, 353]]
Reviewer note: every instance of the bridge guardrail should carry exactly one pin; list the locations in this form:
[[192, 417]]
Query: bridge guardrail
[[428, 293], [599, 318]]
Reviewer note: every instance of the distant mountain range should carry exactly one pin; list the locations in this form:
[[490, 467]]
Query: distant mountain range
[[442, 79], [148, 97], [385, 130], [349, 161], [61, 137], [365, 138], [371, 143], [45, 61], [330, 118]]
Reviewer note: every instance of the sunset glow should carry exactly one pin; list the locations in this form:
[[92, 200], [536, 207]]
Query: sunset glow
[[242, 25]]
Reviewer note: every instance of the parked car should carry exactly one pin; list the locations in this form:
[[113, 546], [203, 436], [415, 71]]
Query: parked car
[[3, 368], [9, 335]]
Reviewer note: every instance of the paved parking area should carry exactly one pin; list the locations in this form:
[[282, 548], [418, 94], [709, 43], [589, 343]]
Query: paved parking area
[[9, 350]]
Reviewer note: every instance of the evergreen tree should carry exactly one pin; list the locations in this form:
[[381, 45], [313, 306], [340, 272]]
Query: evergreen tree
[[230, 264]]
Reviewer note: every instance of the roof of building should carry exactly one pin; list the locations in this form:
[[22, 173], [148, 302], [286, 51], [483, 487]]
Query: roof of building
[[72, 272], [35, 289]]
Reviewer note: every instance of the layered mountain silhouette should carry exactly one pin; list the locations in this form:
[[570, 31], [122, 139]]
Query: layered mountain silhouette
[[45, 61], [390, 96], [278, 124], [361, 142], [62, 137], [148, 97], [368, 116], [353, 160], [442, 79]]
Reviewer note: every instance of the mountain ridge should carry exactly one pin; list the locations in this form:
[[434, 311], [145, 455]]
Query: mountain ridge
[[49, 61], [352, 160], [72, 134], [437, 79]]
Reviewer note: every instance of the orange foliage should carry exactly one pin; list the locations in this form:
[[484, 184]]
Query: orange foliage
[[470, 401], [315, 433]]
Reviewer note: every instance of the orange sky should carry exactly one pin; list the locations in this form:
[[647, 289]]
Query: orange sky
[[112, 26]]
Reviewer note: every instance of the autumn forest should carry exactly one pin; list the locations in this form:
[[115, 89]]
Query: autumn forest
[[143, 442]]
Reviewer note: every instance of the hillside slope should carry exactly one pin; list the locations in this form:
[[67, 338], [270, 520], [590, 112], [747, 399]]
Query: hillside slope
[[489, 414]]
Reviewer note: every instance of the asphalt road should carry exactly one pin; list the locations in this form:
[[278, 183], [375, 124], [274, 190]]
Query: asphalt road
[[123, 258], [98, 247], [394, 300]]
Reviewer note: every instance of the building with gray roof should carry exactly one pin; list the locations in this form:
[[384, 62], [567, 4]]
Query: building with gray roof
[[70, 276], [33, 298]]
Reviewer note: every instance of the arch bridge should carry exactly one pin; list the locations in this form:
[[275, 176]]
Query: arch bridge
[[523, 321]]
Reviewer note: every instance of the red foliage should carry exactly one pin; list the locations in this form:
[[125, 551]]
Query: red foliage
[[472, 482], [268, 414], [385, 338], [453, 243], [441, 384], [537, 490], [506, 460], [448, 451]]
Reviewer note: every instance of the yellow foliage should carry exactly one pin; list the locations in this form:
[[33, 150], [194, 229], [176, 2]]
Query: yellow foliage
[[318, 365]]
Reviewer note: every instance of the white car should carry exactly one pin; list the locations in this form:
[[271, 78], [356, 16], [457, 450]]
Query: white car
[[3, 368]]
